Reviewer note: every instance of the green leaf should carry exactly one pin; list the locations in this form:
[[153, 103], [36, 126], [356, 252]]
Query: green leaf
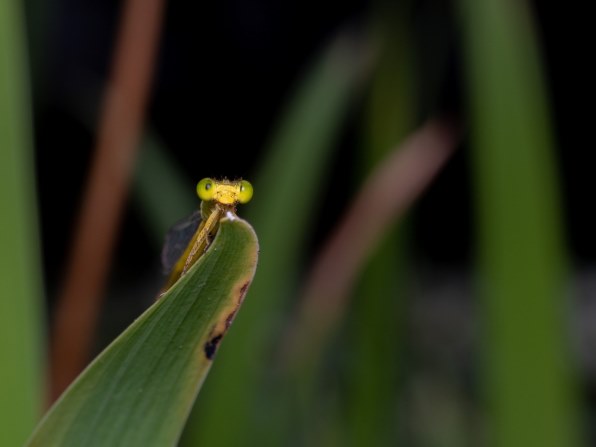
[[21, 372], [139, 391], [529, 380], [376, 323], [167, 200]]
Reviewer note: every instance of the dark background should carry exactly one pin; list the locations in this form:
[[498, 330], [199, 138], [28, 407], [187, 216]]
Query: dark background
[[226, 69]]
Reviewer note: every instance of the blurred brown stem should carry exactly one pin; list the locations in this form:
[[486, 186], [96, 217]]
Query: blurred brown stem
[[125, 100], [390, 190]]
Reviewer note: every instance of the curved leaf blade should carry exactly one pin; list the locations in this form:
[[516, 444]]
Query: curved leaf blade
[[139, 391]]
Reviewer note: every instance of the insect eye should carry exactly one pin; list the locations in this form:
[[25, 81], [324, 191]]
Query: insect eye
[[205, 189], [245, 193]]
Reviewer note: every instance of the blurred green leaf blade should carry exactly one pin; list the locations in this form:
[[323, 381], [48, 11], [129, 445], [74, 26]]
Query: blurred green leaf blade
[[167, 200], [139, 391], [530, 384], [376, 323], [21, 303]]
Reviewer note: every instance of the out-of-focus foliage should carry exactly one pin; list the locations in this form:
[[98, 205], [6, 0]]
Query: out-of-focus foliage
[[376, 331], [512, 386], [21, 304], [528, 377], [163, 193]]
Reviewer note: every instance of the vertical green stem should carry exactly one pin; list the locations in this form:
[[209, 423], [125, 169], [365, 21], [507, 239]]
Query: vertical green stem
[[20, 272], [375, 335], [529, 385]]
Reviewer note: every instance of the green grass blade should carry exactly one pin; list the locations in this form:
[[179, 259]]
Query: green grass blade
[[376, 324], [165, 201], [287, 186], [21, 372], [529, 382], [139, 391]]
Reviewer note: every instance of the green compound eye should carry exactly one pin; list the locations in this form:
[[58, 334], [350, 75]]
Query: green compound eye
[[245, 193], [206, 189]]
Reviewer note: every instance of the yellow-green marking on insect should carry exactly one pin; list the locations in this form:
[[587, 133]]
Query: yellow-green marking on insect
[[224, 192], [218, 199]]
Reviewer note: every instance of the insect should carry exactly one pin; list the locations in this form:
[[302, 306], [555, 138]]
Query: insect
[[188, 240]]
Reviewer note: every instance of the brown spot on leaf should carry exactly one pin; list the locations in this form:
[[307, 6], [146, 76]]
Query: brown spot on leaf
[[241, 296], [243, 291], [230, 318], [211, 346]]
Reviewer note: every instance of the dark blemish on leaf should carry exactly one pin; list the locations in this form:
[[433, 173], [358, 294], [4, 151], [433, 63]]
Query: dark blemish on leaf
[[243, 291], [230, 318], [211, 346], [241, 296]]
